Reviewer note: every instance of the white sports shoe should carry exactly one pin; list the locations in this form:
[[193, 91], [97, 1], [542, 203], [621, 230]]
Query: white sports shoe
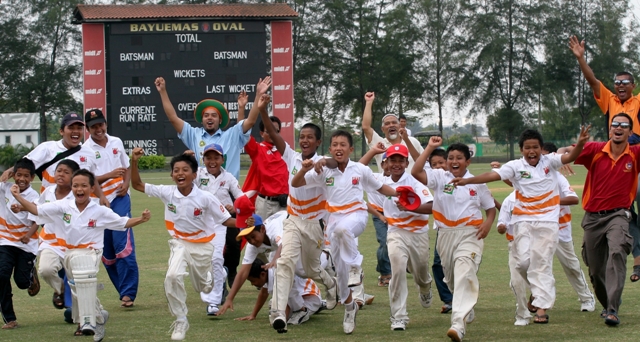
[[179, 330], [99, 335], [589, 305], [521, 322], [470, 316], [398, 325], [349, 323], [455, 335], [299, 316], [209, 283], [355, 276], [425, 299], [331, 295], [212, 310]]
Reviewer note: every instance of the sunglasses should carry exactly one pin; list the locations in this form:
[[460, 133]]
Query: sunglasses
[[622, 82], [616, 124]]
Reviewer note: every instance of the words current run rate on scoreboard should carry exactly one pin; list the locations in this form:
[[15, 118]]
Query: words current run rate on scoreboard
[[198, 60]]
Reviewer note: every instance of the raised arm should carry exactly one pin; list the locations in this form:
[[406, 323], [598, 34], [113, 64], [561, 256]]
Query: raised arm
[[366, 159], [268, 125], [298, 180], [486, 177], [575, 152], [261, 88], [417, 171], [577, 47], [243, 99], [413, 152], [136, 181], [176, 122], [26, 205], [367, 115]]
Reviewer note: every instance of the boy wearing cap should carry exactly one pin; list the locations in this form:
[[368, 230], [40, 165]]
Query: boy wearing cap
[[191, 216], [213, 178], [345, 201], [214, 117], [113, 174], [407, 237], [457, 212]]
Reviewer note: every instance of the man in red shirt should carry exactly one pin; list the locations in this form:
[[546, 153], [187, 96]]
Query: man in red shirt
[[609, 191], [273, 184]]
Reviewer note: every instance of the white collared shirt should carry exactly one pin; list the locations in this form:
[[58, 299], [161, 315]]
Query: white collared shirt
[[222, 187], [14, 225], [109, 158]]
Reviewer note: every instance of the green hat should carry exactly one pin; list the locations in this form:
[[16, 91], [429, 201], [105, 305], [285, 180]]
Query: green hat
[[206, 103]]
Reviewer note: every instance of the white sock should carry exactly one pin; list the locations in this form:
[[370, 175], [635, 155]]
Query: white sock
[[182, 318], [350, 306]]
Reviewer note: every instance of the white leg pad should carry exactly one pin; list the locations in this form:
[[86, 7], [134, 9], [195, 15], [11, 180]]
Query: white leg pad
[[84, 271]]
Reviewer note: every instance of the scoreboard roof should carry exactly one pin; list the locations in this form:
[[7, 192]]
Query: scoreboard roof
[[112, 13]]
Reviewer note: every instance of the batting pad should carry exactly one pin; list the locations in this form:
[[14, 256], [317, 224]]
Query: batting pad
[[84, 270]]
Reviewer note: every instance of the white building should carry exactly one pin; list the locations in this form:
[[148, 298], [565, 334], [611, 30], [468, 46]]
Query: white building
[[20, 129]]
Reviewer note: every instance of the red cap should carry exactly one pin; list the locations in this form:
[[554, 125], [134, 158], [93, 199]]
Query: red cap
[[398, 149], [408, 197], [244, 210]]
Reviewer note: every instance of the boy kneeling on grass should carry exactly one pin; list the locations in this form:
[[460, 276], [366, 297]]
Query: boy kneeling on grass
[[191, 216], [85, 222]]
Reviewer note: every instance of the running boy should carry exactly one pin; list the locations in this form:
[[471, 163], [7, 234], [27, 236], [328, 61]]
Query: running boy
[[18, 243], [345, 202], [535, 213], [191, 216], [85, 222], [461, 228]]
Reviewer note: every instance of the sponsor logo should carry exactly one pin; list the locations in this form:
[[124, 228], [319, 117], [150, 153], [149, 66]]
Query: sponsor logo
[[115, 151], [171, 208], [329, 181], [294, 171], [66, 218], [448, 189], [204, 181], [97, 155], [525, 174], [280, 50]]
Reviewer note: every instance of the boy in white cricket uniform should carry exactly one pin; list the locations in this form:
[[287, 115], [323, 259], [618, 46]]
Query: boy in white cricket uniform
[[83, 236], [407, 238], [214, 179], [18, 243], [535, 214], [345, 201], [191, 216], [461, 228]]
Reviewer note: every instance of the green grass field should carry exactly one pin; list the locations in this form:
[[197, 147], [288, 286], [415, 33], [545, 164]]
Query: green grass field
[[149, 319]]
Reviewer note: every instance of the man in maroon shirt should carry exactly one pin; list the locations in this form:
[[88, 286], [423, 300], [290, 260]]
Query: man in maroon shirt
[[273, 184], [609, 191]]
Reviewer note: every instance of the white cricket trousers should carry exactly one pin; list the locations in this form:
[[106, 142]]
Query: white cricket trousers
[[96, 254], [342, 232], [49, 264], [571, 265], [519, 286], [534, 246], [461, 253], [407, 250], [197, 258], [217, 268], [301, 240]]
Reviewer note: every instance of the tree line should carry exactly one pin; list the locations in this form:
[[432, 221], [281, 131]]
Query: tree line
[[506, 59]]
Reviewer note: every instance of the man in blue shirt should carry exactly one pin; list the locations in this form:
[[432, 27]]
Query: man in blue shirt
[[214, 116]]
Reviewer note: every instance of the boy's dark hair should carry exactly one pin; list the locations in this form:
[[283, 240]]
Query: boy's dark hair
[[530, 134], [402, 117], [26, 164], [438, 153], [187, 158], [70, 164], [626, 116], [626, 73], [256, 268], [460, 147], [86, 173], [273, 119], [342, 133], [316, 129], [550, 147]]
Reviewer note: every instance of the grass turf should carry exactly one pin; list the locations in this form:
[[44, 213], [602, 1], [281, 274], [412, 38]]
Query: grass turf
[[149, 319]]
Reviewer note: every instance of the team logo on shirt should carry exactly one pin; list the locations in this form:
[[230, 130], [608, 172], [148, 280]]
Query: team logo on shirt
[[473, 193], [197, 212], [97, 155], [546, 170], [222, 209], [355, 180], [525, 174], [92, 223], [222, 183], [277, 239], [115, 151], [329, 181], [425, 192], [83, 159], [448, 189], [6, 200], [66, 218], [628, 167], [294, 171], [204, 181], [171, 208], [202, 143]]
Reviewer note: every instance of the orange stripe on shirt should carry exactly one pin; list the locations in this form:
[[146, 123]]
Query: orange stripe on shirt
[[565, 218], [467, 221], [309, 210], [533, 199], [48, 177], [302, 203], [186, 236], [333, 209]]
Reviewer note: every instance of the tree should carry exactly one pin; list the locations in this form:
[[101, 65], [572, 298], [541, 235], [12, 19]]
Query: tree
[[505, 126]]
